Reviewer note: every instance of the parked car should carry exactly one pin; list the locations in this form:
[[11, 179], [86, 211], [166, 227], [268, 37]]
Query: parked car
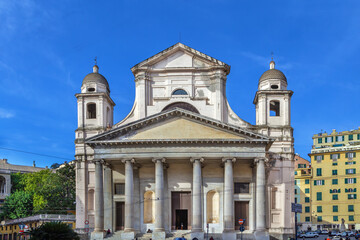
[[336, 238], [350, 234], [310, 235], [333, 233], [324, 232], [318, 231]]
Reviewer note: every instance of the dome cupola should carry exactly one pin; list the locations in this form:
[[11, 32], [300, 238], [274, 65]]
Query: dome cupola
[[95, 82], [272, 79]]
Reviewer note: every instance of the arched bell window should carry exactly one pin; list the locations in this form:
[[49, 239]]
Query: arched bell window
[[91, 111]]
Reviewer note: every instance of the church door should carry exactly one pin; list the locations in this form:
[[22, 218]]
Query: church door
[[241, 211], [120, 215], [180, 210]]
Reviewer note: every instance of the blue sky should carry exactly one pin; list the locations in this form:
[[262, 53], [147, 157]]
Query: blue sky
[[47, 47]]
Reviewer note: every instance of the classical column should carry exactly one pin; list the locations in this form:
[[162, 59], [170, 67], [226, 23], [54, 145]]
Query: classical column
[[129, 195], [159, 194], [196, 195], [228, 194], [260, 194], [108, 209], [99, 197]]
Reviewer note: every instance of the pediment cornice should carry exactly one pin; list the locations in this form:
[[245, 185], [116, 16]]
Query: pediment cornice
[[111, 137]]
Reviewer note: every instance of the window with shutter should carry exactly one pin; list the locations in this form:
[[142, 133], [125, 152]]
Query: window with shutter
[[351, 137]]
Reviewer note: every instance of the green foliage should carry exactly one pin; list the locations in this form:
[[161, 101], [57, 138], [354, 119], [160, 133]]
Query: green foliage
[[17, 182], [55, 165], [19, 204], [49, 191], [53, 231]]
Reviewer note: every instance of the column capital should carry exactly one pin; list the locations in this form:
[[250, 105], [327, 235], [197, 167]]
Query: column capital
[[224, 160], [99, 161], [259, 159], [159, 159], [131, 160], [192, 160]]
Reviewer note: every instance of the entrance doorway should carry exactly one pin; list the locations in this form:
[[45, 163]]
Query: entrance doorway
[[120, 215], [180, 210], [241, 211], [181, 219]]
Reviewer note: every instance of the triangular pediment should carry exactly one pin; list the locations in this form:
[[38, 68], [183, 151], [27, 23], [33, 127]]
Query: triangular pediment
[[180, 56], [177, 125]]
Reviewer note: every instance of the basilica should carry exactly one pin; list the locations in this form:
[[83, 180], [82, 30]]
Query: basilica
[[182, 162]]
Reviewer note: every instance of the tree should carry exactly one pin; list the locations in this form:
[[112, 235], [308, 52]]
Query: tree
[[53, 230], [19, 204], [17, 182], [55, 165]]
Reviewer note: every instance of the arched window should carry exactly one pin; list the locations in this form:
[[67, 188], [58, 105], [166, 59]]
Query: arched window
[[182, 105], [212, 207], [91, 111], [274, 108], [179, 92], [2, 185], [149, 207], [91, 199]]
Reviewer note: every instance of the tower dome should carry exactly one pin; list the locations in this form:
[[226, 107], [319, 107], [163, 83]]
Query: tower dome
[[95, 82], [272, 79]]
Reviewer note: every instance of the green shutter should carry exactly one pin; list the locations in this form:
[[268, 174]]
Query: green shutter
[[347, 155], [322, 157], [354, 189], [339, 190], [315, 182], [354, 180], [354, 196], [330, 191], [323, 181], [332, 139], [346, 171], [343, 138], [338, 155], [326, 138], [346, 190], [346, 180], [354, 154]]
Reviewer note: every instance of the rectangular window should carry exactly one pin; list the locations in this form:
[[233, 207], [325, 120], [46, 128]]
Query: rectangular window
[[307, 181], [335, 156], [335, 197], [296, 200], [307, 219], [350, 155], [319, 208], [334, 172], [339, 138], [307, 209], [319, 157], [350, 208], [350, 163], [351, 196], [335, 218], [335, 208], [351, 137], [319, 182], [319, 196], [351, 218], [318, 172], [241, 187], [328, 139], [334, 163], [307, 190], [119, 188], [350, 180], [307, 199], [295, 191], [334, 181], [350, 171], [319, 218], [319, 140]]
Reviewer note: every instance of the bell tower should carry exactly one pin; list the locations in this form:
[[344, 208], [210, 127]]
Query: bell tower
[[95, 115]]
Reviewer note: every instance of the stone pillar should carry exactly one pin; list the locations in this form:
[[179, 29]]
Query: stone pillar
[[129, 232], [196, 207], [108, 202], [98, 232], [229, 231], [261, 232], [159, 231]]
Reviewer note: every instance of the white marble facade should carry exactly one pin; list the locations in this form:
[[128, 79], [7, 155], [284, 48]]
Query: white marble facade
[[182, 160]]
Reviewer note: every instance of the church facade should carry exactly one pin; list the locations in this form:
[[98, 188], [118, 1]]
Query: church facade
[[182, 162]]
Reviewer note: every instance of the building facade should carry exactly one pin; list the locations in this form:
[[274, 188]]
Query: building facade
[[182, 160], [335, 163]]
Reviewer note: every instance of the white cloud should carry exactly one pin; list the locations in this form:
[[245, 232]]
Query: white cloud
[[6, 113]]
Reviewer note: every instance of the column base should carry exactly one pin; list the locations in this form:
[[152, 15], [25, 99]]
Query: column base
[[229, 235], [128, 235], [97, 235], [261, 235], [158, 235], [199, 235]]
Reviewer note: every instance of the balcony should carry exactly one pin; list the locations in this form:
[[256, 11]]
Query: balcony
[[304, 172]]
